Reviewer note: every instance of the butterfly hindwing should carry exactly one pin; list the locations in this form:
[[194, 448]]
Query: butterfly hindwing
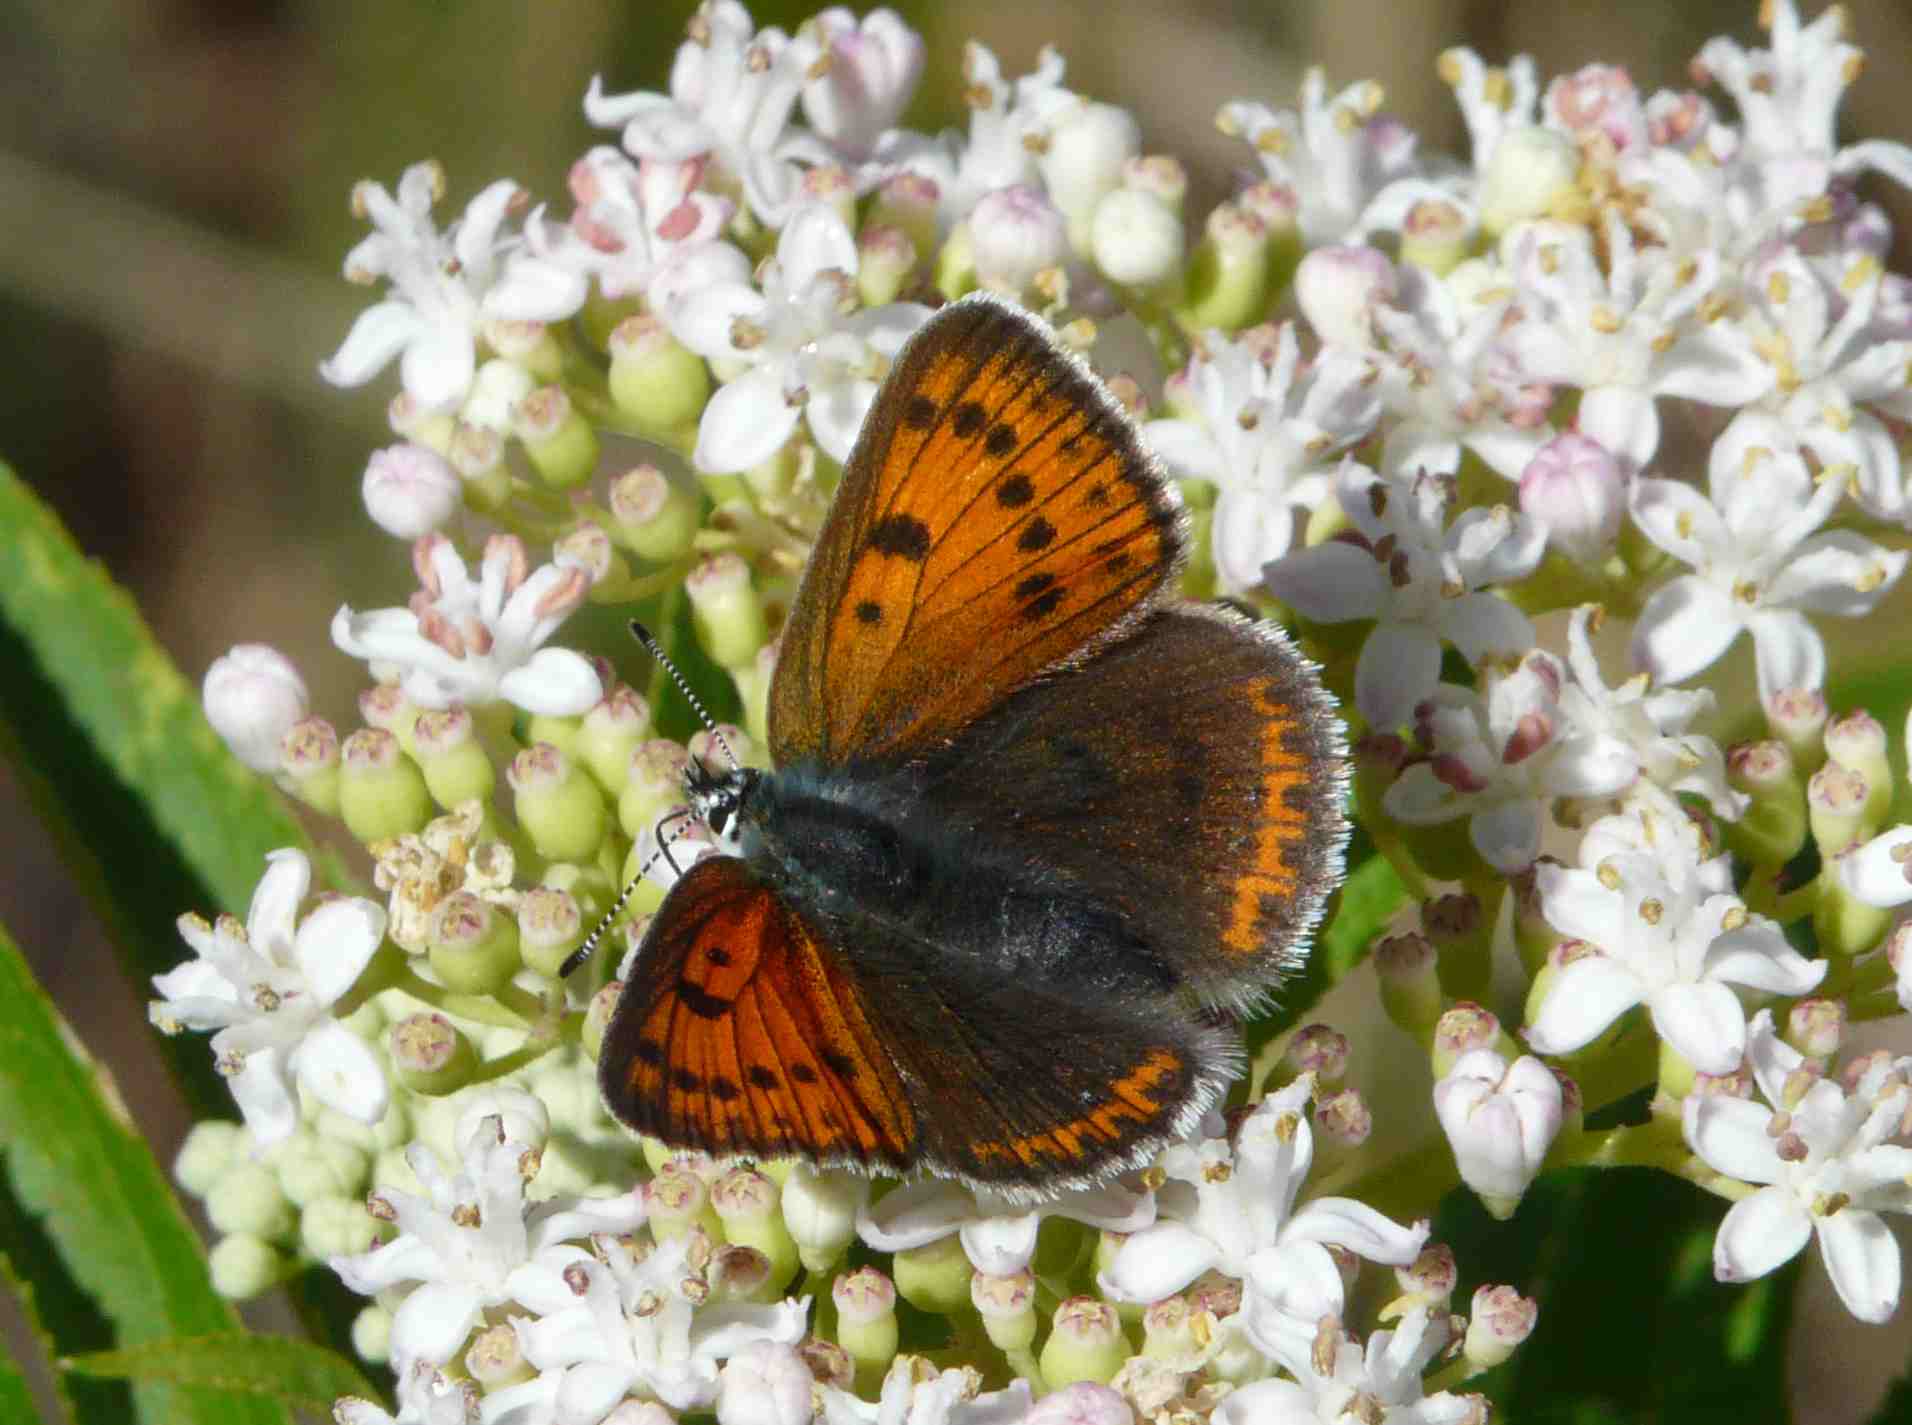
[[740, 1031], [1215, 827], [999, 516]]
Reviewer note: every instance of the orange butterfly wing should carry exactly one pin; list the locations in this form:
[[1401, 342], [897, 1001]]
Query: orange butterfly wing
[[740, 1032], [998, 517]]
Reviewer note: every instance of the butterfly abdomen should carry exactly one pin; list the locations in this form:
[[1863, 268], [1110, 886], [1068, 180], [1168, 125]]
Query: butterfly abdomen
[[872, 858]]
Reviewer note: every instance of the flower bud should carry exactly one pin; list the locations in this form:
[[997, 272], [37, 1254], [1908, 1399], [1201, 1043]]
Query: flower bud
[[473, 947], [478, 455], [243, 1266], [746, 1202], [1500, 1320], [1083, 161], [1465, 1028], [410, 490], [386, 707], [310, 760], [1463, 941], [933, 1277], [907, 202], [314, 1165], [247, 1199], [654, 783], [558, 804], [820, 1209], [1797, 717], [525, 344], [1531, 169], [656, 517], [561, 444], [550, 927], [1773, 829], [495, 1358], [954, 270], [1136, 238], [610, 733], [1410, 982], [1014, 234], [885, 263], [1815, 1027], [430, 1055], [866, 1319], [212, 1146], [597, 1016], [1007, 1305], [338, 1227], [1435, 236], [253, 697], [372, 1335], [1577, 490], [675, 1201], [496, 390], [657, 382], [1857, 743], [382, 794], [1500, 1122], [1228, 273], [1836, 800], [765, 1383], [1085, 1343], [452, 759], [1315, 1049], [1338, 289], [1428, 1280], [725, 610]]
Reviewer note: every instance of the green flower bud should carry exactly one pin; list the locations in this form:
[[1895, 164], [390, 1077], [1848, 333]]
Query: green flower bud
[[1085, 1343], [1857, 743], [675, 1201], [1435, 236], [526, 344], [1797, 717], [1277, 209], [1773, 829], [1530, 171], [1465, 1027], [746, 1203], [658, 383], [1174, 1330], [558, 804], [1836, 799], [1445, 851], [311, 1166], [381, 791], [211, 1146], [1843, 924], [933, 1277], [908, 203], [1228, 272], [741, 1274], [866, 1320], [452, 759], [372, 1335], [1136, 238], [338, 1227], [597, 1015], [550, 927], [243, 1266], [1462, 938], [726, 611], [477, 453], [955, 272], [886, 260], [1816, 1027], [1007, 1306], [753, 691], [558, 732], [653, 784], [1500, 1320], [247, 1199], [561, 443], [610, 733], [309, 762], [656, 517], [1409, 973], [473, 946], [430, 1055]]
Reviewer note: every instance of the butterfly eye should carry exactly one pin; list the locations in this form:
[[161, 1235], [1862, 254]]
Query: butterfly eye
[[718, 819]]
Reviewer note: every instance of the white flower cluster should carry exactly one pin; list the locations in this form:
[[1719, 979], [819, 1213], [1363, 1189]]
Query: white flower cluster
[[1631, 366]]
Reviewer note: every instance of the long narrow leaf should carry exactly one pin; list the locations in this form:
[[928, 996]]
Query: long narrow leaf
[[295, 1372]]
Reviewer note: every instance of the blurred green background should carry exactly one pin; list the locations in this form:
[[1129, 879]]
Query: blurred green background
[[173, 211]]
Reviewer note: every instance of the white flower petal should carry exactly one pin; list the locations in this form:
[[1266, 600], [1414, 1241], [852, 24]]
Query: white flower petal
[[1733, 1136], [1158, 1262], [1330, 582], [1759, 1234], [1587, 997], [553, 682], [746, 422], [1790, 653], [1705, 1022], [339, 1069], [1863, 1261], [433, 1322], [1684, 628], [1399, 666]]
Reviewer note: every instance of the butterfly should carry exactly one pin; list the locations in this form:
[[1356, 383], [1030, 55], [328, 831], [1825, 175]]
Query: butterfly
[[1033, 820]]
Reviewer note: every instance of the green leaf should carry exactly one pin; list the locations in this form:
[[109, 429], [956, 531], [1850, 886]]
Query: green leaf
[[16, 1402], [60, 1316], [295, 1372], [87, 1180], [1368, 900], [1632, 1325]]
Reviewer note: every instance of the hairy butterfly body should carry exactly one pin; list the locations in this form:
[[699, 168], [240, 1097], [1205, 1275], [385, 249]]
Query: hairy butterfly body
[[1029, 814]]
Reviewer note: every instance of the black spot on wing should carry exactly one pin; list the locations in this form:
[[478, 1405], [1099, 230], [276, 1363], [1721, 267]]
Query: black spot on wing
[[903, 536]]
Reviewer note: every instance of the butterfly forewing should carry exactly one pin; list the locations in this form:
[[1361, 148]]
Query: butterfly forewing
[[999, 516], [741, 1032]]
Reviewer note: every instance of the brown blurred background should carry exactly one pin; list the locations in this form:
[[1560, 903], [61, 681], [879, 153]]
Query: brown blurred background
[[173, 211]]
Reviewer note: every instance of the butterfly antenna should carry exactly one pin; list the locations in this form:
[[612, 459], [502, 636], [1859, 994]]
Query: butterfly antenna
[[576, 959], [656, 650]]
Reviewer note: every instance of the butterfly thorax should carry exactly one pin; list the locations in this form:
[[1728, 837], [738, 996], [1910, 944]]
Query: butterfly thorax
[[874, 857]]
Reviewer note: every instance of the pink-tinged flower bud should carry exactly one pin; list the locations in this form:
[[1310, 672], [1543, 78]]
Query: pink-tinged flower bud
[[1229, 271], [1578, 490], [908, 201], [676, 1201], [866, 1316], [655, 380], [1435, 236], [1410, 982], [309, 757], [454, 761], [495, 1358], [765, 1383], [561, 443], [1466, 1028], [610, 733], [862, 81], [1136, 238], [597, 1015], [1430, 1278], [1316, 1049], [831, 186], [725, 609], [558, 804], [1015, 233], [1797, 717], [1343, 1121], [550, 927], [253, 696], [820, 1208], [656, 517], [1500, 1122], [1160, 175], [1856, 741], [381, 791], [1083, 162], [1836, 799], [1085, 1343], [1083, 1403], [1500, 1320], [1463, 939], [654, 783], [1007, 1305], [1338, 289], [746, 1203], [478, 455], [411, 490], [430, 1055], [1815, 1027], [1531, 169], [829, 1363], [1599, 101], [526, 344], [495, 393], [885, 262], [1773, 828], [935, 1276], [473, 945]]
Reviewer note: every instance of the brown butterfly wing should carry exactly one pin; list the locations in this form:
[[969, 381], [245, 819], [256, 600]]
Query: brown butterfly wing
[[998, 517], [740, 1031], [1191, 777]]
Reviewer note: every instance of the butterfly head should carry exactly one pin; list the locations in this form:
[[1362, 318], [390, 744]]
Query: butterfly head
[[719, 798]]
